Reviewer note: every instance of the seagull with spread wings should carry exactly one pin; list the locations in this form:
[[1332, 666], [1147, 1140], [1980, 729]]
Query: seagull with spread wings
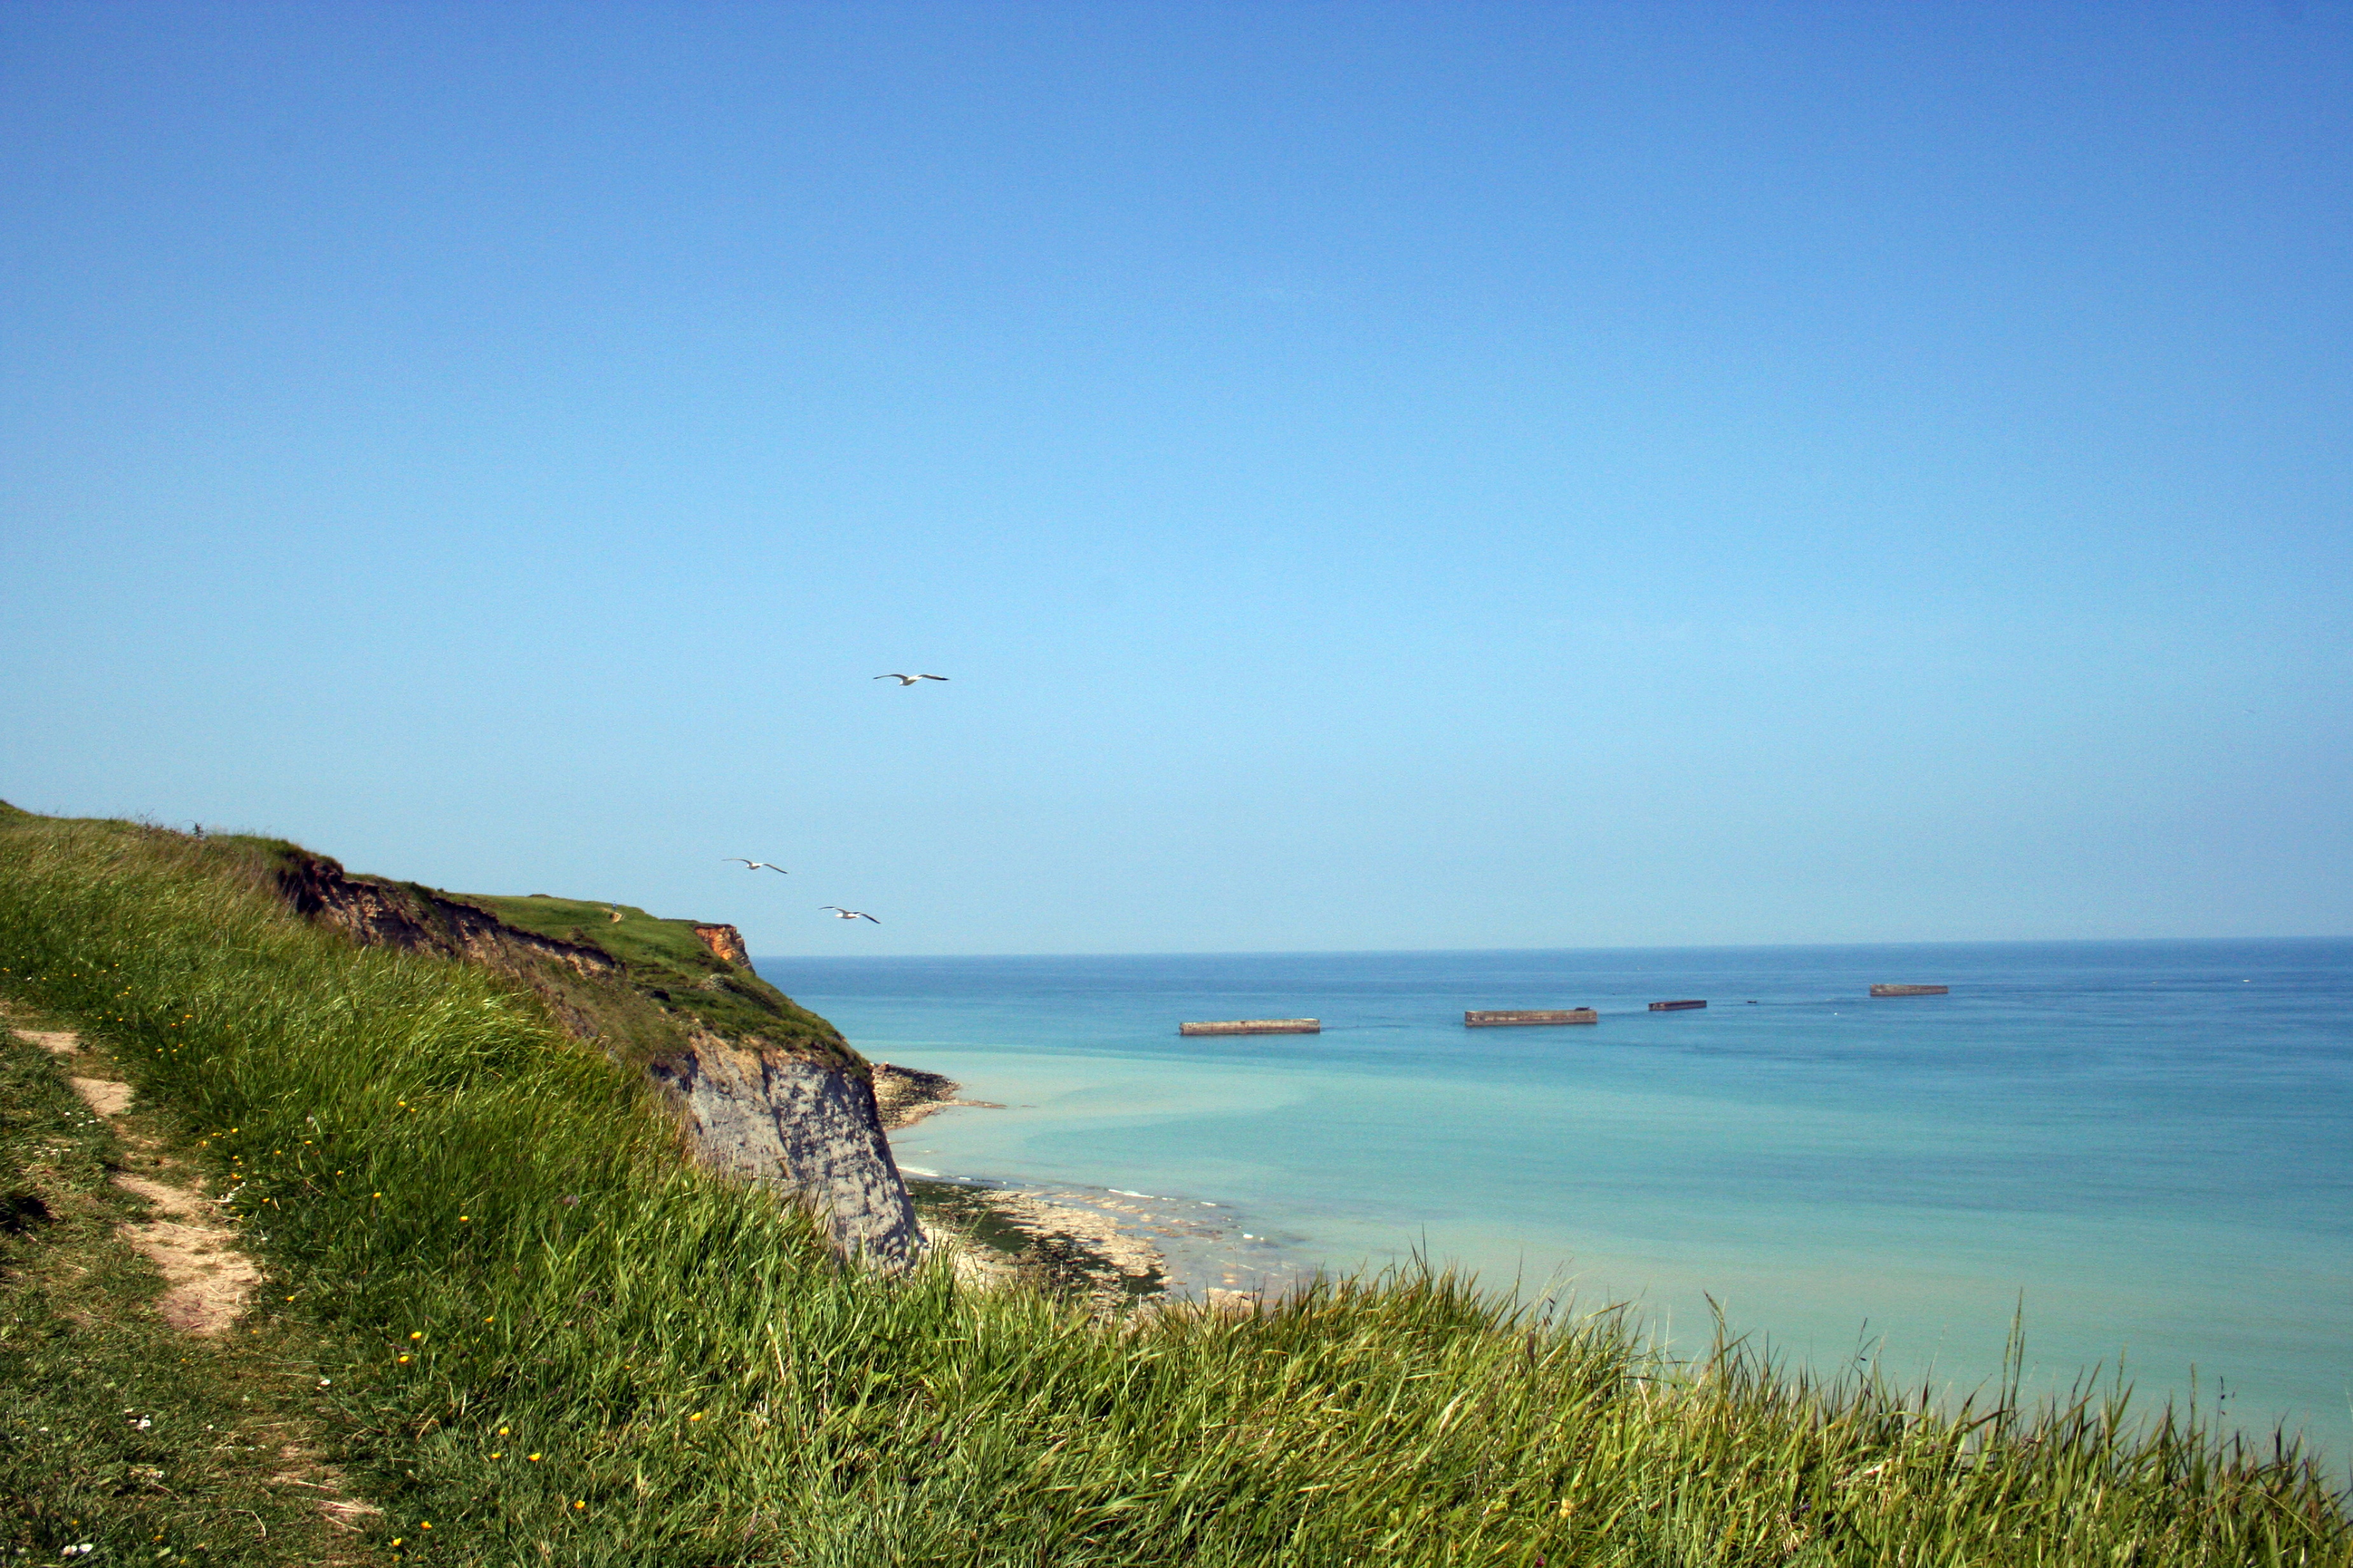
[[842, 914], [758, 866], [909, 679]]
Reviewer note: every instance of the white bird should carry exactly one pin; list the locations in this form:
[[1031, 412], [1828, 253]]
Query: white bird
[[909, 679], [842, 914], [759, 866]]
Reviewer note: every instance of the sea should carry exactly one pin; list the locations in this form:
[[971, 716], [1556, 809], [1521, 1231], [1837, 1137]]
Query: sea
[[2137, 1154]]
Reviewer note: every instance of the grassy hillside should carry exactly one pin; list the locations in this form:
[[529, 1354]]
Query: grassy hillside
[[639, 985], [547, 1336], [665, 961]]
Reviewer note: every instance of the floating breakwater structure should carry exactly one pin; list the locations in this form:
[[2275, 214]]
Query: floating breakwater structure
[[1503, 1017], [1494, 1020]]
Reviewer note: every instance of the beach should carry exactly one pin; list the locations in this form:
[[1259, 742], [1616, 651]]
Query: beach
[[1111, 1249]]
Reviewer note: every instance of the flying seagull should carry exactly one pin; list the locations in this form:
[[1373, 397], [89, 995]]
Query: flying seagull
[[842, 914], [909, 679], [759, 866]]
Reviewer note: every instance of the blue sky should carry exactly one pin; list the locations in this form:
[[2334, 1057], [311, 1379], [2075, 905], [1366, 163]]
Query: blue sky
[[1377, 475]]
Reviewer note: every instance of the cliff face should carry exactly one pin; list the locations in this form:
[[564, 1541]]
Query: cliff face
[[763, 1088], [727, 942], [805, 1126], [404, 915]]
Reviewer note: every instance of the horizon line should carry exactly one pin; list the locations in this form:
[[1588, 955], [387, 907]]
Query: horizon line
[[1628, 947]]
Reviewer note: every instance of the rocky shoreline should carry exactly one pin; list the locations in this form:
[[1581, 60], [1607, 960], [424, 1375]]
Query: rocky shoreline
[[1114, 1251], [905, 1095], [999, 1233]]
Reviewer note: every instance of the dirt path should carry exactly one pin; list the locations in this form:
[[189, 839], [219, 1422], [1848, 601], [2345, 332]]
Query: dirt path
[[210, 1278]]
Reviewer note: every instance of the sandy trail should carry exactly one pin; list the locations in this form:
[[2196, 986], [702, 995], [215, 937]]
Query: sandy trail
[[209, 1278]]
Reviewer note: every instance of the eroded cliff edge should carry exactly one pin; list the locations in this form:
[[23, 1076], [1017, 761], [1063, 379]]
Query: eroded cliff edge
[[762, 1088]]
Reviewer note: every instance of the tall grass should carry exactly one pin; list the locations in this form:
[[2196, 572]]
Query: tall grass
[[566, 1345]]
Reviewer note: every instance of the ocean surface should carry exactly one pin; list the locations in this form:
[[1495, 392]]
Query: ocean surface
[[2144, 1148]]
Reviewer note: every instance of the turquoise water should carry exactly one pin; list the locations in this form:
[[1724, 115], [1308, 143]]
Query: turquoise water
[[2148, 1145]]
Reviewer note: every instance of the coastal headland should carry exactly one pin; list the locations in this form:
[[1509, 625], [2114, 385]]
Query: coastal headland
[[523, 1292]]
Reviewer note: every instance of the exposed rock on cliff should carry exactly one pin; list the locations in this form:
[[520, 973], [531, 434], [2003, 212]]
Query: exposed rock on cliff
[[805, 1125], [727, 942], [402, 914], [763, 1088]]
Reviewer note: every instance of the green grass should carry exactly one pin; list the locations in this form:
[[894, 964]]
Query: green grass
[[438, 1174], [664, 960], [665, 985], [115, 1430]]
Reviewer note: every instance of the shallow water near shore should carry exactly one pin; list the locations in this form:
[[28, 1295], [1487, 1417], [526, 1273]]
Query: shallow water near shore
[[2147, 1146]]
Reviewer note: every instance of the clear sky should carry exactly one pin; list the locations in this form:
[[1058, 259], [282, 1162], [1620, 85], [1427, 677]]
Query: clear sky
[[1377, 475]]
